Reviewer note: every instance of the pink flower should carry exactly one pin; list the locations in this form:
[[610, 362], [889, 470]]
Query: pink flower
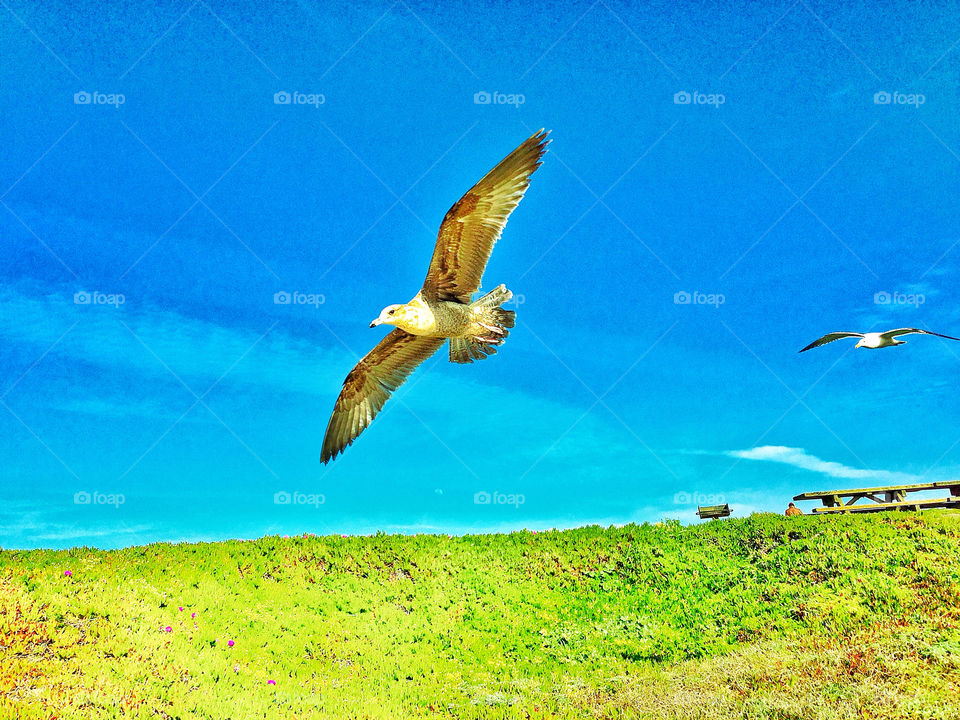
[[180, 608], [236, 668], [193, 615], [168, 629], [271, 682], [68, 573], [229, 643]]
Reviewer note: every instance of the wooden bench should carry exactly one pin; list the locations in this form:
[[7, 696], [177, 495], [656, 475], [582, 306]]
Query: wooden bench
[[890, 497], [714, 512]]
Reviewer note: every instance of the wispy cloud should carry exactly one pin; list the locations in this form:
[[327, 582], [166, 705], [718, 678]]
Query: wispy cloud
[[800, 458], [144, 340]]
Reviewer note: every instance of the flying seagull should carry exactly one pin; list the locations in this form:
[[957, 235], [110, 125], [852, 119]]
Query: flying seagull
[[874, 340], [443, 308]]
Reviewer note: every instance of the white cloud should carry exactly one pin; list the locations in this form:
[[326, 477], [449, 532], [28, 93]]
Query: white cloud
[[800, 458]]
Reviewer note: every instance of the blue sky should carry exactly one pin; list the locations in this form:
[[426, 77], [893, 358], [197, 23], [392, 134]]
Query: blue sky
[[787, 167]]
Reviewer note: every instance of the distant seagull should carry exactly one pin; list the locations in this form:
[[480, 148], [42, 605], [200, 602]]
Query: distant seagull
[[874, 340], [443, 308]]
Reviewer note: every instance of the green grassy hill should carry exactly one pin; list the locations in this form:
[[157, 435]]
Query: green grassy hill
[[764, 617]]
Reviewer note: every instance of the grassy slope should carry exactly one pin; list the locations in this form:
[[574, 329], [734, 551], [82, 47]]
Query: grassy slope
[[764, 617]]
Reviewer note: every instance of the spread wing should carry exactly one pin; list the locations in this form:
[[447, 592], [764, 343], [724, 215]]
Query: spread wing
[[830, 337], [908, 331], [369, 384], [472, 226]]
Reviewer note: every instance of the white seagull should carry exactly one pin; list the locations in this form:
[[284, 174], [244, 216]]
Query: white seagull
[[873, 340]]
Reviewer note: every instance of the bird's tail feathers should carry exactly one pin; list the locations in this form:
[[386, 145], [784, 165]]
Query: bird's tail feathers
[[498, 296], [487, 312], [494, 323]]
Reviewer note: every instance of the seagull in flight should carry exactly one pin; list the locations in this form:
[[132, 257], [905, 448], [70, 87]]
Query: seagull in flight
[[443, 309], [874, 340]]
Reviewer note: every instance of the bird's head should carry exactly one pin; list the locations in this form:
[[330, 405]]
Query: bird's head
[[390, 315], [860, 343]]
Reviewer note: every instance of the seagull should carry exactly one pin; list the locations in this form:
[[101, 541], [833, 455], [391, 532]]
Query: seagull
[[874, 340], [443, 309]]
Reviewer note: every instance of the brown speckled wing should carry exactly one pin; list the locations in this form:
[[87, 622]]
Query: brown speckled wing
[[473, 225], [369, 385]]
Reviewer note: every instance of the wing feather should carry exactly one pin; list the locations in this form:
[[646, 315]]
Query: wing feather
[[902, 331], [369, 385], [474, 224], [908, 331], [830, 337]]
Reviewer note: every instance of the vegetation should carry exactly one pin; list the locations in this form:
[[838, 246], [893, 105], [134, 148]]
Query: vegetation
[[763, 617]]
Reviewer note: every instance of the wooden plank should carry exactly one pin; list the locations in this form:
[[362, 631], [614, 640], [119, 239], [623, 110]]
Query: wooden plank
[[910, 505], [949, 484], [917, 487], [950, 502]]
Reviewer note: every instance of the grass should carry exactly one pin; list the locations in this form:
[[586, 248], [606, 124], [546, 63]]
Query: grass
[[763, 617]]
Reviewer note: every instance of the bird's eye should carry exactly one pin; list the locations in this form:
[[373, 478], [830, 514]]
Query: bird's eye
[[390, 312]]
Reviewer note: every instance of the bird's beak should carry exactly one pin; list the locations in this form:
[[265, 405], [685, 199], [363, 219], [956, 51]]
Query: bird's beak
[[376, 322]]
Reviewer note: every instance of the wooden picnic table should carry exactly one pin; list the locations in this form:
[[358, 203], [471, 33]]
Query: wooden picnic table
[[889, 497]]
